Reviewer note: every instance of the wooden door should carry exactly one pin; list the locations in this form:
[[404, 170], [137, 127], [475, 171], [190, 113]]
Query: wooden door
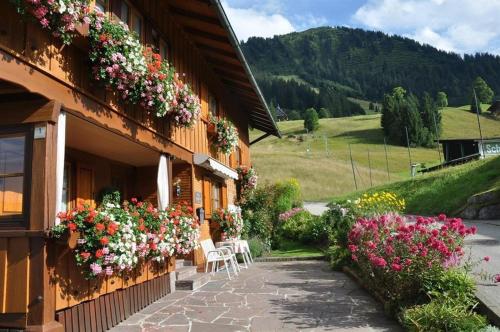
[[85, 185]]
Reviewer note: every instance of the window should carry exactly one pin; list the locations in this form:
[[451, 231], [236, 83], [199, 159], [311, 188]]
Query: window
[[137, 24], [124, 12], [101, 5], [163, 49], [14, 147], [216, 195], [66, 188], [237, 156], [213, 110]]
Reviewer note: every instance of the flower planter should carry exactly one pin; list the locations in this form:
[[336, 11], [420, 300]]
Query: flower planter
[[69, 239], [211, 129], [81, 39]]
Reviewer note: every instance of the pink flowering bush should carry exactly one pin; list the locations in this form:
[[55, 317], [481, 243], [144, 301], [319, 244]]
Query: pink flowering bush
[[60, 17], [396, 255]]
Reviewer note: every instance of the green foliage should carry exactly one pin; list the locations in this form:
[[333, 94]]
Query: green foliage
[[441, 99], [443, 314], [304, 227], [311, 120], [260, 211], [323, 113], [371, 107], [293, 95], [287, 196], [402, 111], [483, 92], [366, 64], [294, 115], [452, 283], [257, 247]]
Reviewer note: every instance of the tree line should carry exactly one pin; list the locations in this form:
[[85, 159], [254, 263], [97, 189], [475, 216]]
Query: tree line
[[295, 98], [362, 64]]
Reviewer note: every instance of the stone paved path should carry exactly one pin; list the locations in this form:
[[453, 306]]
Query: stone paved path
[[290, 296]]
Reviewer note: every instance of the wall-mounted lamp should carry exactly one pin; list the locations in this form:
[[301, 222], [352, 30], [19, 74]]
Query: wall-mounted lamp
[[177, 187]]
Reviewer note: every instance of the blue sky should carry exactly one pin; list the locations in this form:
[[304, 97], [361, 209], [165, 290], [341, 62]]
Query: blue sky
[[462, 26]]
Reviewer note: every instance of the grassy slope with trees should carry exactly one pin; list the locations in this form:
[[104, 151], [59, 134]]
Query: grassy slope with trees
[[361, 64], [324, 176], [446, 190]]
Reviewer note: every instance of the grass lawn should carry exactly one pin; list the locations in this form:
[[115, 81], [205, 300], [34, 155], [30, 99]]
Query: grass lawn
[[321, 161], [446, 190], [294, 249]]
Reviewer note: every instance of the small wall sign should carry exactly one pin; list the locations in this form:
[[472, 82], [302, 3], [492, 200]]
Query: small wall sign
[[197, 197], [40, 132]]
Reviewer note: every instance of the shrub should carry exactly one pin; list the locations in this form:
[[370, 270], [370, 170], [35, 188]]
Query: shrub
[[342, 215], [301, 225], [454, 283], [262, 209], [257, 247], [396, 257], [444, 314]]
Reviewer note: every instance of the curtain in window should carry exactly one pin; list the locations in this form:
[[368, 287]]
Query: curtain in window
[[163, 184], [61, 145]]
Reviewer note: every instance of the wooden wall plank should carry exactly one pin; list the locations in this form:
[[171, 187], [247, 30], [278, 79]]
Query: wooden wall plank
[[17, 275], [3, 273]]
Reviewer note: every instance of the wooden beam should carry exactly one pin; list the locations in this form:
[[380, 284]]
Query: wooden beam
[[260, 138], [29, 111], [194, 15], [207, 35], [215, 50]]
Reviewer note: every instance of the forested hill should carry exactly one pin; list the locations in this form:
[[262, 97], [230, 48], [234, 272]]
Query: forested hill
[[363, 64]]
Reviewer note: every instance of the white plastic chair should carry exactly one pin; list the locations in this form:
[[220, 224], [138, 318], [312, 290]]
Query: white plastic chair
[[246, 251], [215, 255]]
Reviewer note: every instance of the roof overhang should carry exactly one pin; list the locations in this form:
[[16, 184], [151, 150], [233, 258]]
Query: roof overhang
[[205, 21], [214, 166]]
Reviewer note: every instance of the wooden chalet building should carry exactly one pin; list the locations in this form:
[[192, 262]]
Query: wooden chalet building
[[51, 106]]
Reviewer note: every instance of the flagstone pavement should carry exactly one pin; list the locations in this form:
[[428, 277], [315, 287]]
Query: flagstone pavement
[[288, 296]]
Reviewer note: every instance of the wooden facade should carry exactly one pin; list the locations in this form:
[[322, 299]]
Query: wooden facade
[[108, 144]]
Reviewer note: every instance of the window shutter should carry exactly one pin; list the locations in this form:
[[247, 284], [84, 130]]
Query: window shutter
[[224, 196], [207, 200], [85, 185]]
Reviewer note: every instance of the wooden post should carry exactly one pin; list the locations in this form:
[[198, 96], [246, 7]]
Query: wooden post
[[42, 291]]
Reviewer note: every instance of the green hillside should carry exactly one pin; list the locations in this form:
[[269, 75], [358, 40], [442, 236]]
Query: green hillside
[[362, 64], [424, 194], [325, 171]]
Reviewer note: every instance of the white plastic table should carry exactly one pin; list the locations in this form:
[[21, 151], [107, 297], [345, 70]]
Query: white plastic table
[[238, 247]]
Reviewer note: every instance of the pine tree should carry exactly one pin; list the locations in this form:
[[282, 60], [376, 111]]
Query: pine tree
[[431, 119]]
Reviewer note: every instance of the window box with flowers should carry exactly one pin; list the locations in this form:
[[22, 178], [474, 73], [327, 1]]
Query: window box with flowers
[[115, 239], [65, 19], [226, 137]]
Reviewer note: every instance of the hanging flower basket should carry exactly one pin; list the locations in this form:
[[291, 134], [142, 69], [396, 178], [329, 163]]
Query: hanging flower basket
[[226, 135]]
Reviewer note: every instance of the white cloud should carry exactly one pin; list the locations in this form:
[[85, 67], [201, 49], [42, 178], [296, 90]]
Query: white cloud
[[262, 22], [458, 25]]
